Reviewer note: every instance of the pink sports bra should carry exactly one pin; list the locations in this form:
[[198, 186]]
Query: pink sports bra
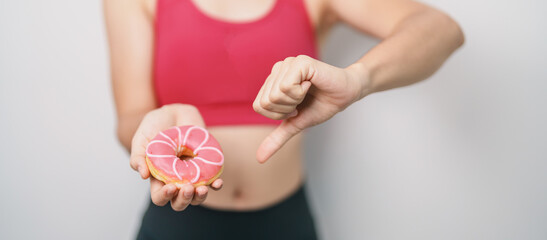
[[219, 66]]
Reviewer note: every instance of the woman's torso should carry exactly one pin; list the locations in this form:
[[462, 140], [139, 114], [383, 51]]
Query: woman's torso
[[249, 185]]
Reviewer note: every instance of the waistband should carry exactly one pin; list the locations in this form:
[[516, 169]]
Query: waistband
[[297, 198]]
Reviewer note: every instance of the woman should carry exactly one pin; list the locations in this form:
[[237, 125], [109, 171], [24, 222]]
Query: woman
[[182, 62]]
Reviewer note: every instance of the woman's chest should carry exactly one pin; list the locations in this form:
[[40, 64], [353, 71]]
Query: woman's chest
[[249, 10], [223, 63]]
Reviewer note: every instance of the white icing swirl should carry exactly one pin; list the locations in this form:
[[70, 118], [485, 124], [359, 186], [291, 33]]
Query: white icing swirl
[[181, 146]]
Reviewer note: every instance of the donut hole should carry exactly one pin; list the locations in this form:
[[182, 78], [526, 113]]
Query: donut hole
[[185, 154]]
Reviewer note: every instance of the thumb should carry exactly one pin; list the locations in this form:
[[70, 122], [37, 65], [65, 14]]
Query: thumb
[[276, 140]]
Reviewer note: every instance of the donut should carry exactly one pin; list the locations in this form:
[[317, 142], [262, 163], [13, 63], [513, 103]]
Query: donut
[[185, 155]]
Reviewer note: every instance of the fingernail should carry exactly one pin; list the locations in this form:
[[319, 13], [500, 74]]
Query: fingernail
[[188, 194], [293, 114], [170, 190]]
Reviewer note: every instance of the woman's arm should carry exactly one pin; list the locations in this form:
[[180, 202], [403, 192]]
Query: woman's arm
[[130, 36], [416, 40]]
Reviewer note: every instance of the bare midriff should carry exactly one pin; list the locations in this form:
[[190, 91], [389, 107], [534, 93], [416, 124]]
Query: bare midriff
[[249, 185]]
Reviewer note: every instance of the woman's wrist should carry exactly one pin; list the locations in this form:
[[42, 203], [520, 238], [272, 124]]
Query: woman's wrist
[[176, 108], [360, 75], [183, 114]]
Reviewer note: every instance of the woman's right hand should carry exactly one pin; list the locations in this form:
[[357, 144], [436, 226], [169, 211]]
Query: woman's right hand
[[154, 122], [130, 37]]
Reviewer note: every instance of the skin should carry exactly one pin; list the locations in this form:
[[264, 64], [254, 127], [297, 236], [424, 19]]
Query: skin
[[416, 40]]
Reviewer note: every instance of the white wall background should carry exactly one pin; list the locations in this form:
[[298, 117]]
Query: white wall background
[[460, 156]]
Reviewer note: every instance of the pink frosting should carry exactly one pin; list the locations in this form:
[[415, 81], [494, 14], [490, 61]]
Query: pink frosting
[[163, 149]]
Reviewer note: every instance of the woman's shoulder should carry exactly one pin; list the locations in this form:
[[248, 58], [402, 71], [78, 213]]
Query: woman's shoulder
[[149, 7], [120, 8]]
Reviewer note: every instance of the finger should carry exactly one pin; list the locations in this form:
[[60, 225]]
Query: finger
[[138, 155], [183, 198], [291, 86], [278, 108], [280, 111], [277, 74], [274, 115], [293, 114], [217, 184], [264, 106], [273, 74], [305, 85], [139, 164], [275, 71], [200, 195], [143, 170], [276, 140], [271, 110], [277, 99], [256, 103], [160, 193], [276, 95]]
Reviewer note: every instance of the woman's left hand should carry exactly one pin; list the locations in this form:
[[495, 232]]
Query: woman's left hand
[[305, 92]]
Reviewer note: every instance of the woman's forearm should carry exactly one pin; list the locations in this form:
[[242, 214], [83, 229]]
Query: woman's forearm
[[414, 51], [127, 126]]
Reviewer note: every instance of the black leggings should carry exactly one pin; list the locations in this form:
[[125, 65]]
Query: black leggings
[[290, 219]]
